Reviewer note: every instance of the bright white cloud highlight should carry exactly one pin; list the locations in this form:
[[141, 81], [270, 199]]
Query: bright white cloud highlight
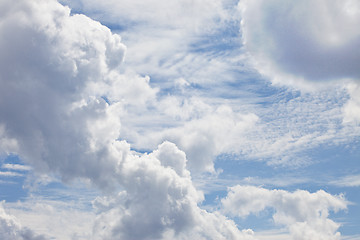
[[305, 214]]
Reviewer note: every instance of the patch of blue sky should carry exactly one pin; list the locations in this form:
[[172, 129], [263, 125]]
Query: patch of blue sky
[[12, 187], [335, 160], [20, 188], [349, 219], [261, 221]]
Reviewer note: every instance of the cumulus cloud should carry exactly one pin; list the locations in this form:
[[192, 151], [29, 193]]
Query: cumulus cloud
[[305, 214], [307, 44], [201, 130], [50, 111], [215, 133], [61, 98], [159, 201], [316, 41]]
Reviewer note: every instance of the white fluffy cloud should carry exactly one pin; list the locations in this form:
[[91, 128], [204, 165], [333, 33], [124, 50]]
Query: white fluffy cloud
[[305, 214], [306, 43], [61, 99], [159, 201], [304, 40], [55, 67]]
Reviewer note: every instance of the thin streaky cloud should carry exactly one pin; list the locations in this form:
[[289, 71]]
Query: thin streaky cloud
[[347, 181], [17, 167], [10, 174]]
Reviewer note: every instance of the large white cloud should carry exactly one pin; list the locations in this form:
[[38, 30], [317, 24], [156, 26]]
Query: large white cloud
[[159, 202], [307, 44], [308, 40], [305, 214], [61, 98], [55, 67]]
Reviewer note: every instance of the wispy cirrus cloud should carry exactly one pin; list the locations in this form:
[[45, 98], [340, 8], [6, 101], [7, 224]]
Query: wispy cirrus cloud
[[347, 181], [17, 167]]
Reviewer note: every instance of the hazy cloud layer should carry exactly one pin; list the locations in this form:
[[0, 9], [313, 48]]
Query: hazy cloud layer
[[10, 228]]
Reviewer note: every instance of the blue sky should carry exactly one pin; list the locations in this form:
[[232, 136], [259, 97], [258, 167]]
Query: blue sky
[[180, 119]]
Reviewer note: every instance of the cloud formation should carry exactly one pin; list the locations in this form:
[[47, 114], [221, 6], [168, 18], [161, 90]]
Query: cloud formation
[[49, 111], [305, 214], [61, 99], [307, 40], [159, 202]]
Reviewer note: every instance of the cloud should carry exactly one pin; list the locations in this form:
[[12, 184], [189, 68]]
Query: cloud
[[62, 72], [201, 130], [16, 167], [306, 44], [63, 100], [305, 214], [161, 36], [159, 201], [10, 228], [348, 181], [53, 218], [10, 174], [50, 58], [352, 108], [315, 41]]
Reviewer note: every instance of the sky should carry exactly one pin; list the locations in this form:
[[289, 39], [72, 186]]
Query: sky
[[186, 119]]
